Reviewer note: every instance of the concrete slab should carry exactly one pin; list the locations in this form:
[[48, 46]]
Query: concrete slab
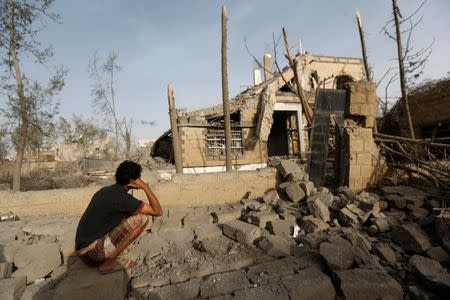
[[273, 291], [309, 284], [224, 283]]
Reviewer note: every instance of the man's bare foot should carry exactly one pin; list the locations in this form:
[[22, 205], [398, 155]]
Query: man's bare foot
[[112, 265], [108, 265]]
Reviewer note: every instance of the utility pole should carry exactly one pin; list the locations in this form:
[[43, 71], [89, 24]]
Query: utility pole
[[226, 101], [174, 127], [403, 86]]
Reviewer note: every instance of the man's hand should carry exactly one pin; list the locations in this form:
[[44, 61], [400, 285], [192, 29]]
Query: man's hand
[[138, 184]]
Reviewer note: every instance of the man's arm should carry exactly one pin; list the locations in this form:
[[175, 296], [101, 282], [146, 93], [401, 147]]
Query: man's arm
[[153, 207]]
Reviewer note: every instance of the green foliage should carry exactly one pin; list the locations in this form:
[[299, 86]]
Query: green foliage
[[79, 130], [20, 21]]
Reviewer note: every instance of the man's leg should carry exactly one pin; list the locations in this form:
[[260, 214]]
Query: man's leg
[[125, 242]]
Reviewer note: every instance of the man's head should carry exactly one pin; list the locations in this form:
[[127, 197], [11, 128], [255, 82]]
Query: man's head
[[128, 170]]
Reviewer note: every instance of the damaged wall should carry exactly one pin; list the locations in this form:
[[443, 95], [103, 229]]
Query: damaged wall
[[365, 163], [183, 190]]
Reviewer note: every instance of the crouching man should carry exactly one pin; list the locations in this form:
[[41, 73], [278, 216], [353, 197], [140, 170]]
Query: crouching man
[[114, 219]]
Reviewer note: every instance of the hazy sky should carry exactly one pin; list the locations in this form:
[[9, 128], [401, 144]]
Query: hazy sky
[[179, 42]]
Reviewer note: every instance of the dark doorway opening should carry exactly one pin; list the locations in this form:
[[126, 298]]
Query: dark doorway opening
[[283, 138]]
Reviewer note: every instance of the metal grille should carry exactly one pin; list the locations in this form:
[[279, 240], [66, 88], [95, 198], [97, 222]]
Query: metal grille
[[215, 143]]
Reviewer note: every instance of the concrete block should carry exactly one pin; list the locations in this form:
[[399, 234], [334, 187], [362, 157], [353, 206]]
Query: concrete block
[[207, 231], [271, 196], [261, 218], [309, 284], [36, 261], [192, 221], [438, 254], [318, 209], [180, 237], [12, 288], [273, 291], [411, 238], [347, 217], [307, 187], [368, 284], [289, 217], [226, 215], [162, 225], [151, 245], [295, 192], [322, 195], [224, 283], [252, 204], [150, 279], [182, 291], [384, 251], [339, 255], [276, 246], [290, 168], [87, 283], [281, 227], [241, 231], [268, 272], [311, 224], [432, 274]]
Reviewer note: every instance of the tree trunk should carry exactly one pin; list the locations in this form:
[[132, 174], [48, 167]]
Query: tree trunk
[[113, 100], [404, 88], [226, 101], [23, 113], [174, 127], [363, 46]]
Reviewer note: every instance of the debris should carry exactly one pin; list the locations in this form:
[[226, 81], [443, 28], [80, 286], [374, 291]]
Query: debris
[[311, 224], [318, 209], [276, 246], [368, 284], [8, 217], [241, 231], [438, 254], [386, 253], [432, 274], [291, 169], [295, 192], [338, 254], [411, 238]]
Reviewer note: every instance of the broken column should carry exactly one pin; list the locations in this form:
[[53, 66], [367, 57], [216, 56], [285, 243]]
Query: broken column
[[365, 163]]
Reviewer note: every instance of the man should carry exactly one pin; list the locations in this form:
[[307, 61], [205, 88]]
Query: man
[[114, 219]]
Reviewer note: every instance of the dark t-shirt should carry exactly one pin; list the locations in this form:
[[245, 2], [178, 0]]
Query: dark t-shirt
[[108, 207]]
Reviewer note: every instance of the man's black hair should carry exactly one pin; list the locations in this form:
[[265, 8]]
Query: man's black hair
[[128, 170]]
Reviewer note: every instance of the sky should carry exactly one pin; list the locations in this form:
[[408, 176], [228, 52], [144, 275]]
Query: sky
[[178, 42]]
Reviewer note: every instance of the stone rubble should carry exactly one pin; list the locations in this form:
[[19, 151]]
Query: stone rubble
[[387, 243]]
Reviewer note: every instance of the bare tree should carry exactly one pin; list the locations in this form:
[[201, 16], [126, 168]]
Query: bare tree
[[411, 63], [104, 91], [29, 103]]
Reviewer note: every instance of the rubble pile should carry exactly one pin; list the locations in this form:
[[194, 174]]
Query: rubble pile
[[294, 242]]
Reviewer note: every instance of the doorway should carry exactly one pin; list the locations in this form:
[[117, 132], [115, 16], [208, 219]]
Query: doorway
[[284, 136]]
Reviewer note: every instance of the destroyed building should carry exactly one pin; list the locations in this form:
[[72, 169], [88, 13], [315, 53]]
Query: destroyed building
[[429, 105], [267, 119]]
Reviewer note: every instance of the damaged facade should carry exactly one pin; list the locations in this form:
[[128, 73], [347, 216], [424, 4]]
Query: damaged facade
[[267, 119], [430, 111]]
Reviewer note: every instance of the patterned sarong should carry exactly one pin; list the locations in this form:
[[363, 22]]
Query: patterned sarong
[[102, 248]]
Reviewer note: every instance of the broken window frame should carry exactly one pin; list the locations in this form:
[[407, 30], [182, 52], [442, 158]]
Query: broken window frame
[[215, 143]]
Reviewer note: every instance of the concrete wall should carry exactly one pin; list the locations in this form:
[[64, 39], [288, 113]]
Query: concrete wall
[[328, 67], [7, 168], [183, 190], [365, 163]]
